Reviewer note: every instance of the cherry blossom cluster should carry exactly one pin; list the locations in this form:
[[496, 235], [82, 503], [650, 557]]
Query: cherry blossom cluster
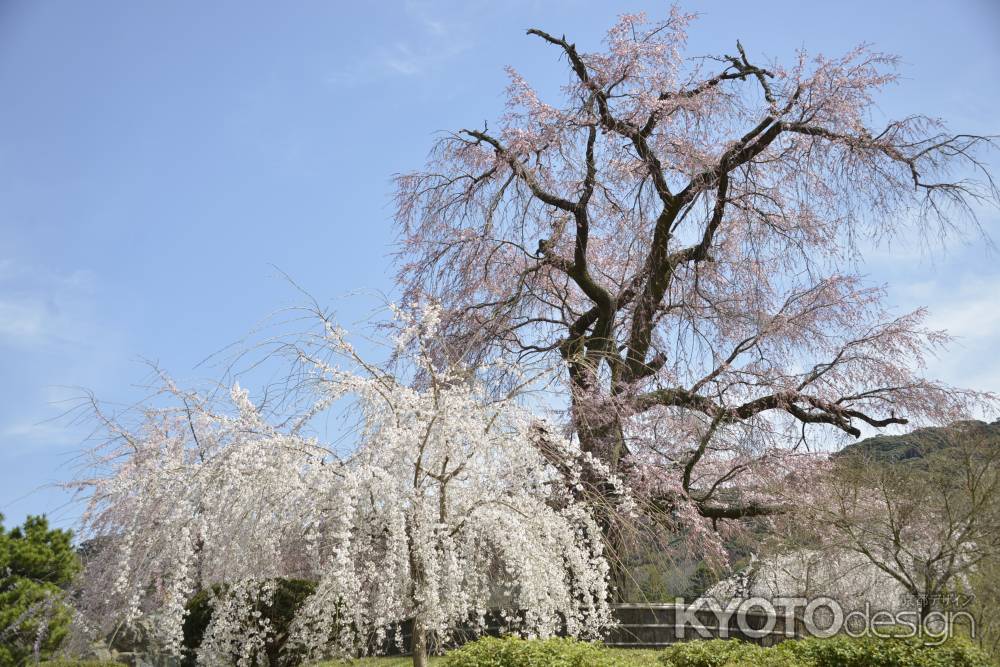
[[444, 509]]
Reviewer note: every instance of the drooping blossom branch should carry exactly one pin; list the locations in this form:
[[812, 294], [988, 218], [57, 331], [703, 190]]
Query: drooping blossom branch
[[443, 510]]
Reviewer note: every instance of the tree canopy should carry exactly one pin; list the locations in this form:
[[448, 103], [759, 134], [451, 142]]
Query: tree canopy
[[36, 564], [676, 238]]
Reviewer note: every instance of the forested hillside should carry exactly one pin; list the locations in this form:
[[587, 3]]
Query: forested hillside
[[921, 442]]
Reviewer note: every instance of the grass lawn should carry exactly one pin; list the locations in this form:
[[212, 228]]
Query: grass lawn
[[627, 658]]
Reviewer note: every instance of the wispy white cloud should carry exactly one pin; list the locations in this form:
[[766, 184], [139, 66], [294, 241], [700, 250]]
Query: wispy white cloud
[[402, 60], [968, 308], [39, 433], [21, 320], [425, 14], [50, 337], [433, 41], [973, 314], [39, 307]]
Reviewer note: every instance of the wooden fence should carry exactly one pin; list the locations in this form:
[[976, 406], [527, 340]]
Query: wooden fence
[[642, 625], [656, 625]]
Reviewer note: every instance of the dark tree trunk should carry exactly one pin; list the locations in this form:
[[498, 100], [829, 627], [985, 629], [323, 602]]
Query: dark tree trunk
[[602, 436], [419, 643]]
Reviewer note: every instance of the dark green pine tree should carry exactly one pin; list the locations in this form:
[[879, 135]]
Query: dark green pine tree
[[36, 564]]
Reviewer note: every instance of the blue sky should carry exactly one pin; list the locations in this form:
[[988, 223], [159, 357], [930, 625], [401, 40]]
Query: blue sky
[[157, 160]]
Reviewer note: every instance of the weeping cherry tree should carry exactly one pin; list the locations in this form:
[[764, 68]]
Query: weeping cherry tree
[[444, 508]]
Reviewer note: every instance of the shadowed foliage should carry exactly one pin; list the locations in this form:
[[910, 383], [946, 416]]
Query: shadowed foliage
[[36, 563]]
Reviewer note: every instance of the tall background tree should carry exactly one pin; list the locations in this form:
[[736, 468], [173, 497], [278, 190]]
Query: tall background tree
[[926, 515], [676, 241], [902, 524]]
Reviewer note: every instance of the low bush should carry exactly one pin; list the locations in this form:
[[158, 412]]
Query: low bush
[[875, 652], [513, 652], [833, 652], [710, 653]]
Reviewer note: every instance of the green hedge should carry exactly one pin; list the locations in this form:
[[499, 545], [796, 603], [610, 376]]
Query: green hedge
[[512, 652], [833, 652]]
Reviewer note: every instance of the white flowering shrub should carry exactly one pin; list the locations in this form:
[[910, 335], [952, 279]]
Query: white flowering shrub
[[444, 508]]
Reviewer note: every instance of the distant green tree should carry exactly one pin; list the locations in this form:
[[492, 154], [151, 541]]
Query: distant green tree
[[924, 509], [703, 578], [984, 583], [36, 564]]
